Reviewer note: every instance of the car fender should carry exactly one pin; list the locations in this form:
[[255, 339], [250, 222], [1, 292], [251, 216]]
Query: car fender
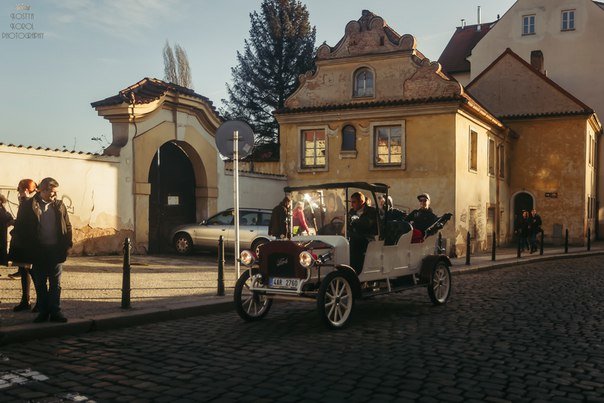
[[428, 263], [351, 275]]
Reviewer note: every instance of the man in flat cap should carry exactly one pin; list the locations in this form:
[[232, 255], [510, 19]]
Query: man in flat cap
[[423, 217]]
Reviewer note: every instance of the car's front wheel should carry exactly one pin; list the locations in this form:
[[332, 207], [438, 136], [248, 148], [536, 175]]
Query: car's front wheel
[[183, 243], [250, 305], [335, 301], [439, 288]]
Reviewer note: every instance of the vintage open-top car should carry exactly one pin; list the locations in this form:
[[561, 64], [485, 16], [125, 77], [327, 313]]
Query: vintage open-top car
[[319, 267]]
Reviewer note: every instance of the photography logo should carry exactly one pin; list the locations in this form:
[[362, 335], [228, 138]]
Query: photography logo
[[22, 24]]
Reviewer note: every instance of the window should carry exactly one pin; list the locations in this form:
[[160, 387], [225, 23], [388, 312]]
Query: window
[[224, 218], [313, 148], [473, 151], [363, 83], [568, 20], [528, 25], [349, 138], [491, 157], [591, 151], [388, 146], [501, 159]]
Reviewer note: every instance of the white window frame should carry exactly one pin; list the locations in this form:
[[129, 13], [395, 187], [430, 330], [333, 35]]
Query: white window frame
[[570, 20], [363, 93], [301, 155], [528, 26], [372, 161]]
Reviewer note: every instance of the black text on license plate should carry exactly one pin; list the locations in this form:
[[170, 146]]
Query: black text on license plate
[[284, 282]]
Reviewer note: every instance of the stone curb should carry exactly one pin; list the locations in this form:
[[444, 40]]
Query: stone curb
[[28, 332]]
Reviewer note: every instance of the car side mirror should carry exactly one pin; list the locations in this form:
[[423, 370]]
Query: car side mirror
[[203, 222]]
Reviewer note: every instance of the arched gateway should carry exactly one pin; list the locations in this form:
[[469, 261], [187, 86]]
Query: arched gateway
[[164, 136]]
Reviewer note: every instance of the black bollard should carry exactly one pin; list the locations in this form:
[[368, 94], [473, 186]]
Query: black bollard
[[519, 251], [493, 247], [220, 291], [541, 244], [468, 249], [126, 276], [588, 239], [566, 242]]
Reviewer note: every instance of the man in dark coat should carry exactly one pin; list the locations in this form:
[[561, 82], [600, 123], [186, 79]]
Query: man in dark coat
[[279, 219], [362, 229], [423, 217], [44, 222]]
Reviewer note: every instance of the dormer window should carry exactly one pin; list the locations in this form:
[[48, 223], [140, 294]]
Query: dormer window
[[568, 20], [363, 83]]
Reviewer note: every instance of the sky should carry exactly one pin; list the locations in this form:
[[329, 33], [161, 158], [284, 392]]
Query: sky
[[87, 50]]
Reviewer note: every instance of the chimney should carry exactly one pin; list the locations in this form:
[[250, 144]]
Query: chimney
[[537, 60], [478, 26], [463, 23]]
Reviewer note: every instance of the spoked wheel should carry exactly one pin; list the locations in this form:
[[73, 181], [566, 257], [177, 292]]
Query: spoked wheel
[[335, 301], [439, 288], [250, 305]]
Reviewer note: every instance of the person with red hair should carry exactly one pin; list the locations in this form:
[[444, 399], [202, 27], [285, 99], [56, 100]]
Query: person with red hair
[[27, 189]]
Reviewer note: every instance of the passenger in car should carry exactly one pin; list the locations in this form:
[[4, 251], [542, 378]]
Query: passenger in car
[[421, 218], [363, 228]]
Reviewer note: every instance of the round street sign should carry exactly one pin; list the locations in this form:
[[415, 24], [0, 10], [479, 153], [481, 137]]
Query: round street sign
[[225, 138]]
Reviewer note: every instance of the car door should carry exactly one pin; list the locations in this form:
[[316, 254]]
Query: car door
[[207, 234], [248, 228]]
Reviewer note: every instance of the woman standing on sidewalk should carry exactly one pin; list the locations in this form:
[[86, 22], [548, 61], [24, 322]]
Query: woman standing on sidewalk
[[26, 189]]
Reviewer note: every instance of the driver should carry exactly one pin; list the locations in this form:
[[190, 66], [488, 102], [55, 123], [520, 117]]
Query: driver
[[363, 228]]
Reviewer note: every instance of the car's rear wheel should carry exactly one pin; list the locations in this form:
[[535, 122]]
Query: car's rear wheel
[[335, 301], [439, 288], [183, 243], [250, 305]]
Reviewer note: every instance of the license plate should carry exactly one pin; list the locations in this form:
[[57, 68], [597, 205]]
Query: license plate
[[284, 282]]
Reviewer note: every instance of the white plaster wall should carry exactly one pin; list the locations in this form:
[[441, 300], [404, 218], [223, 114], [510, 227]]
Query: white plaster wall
[[255, 191]]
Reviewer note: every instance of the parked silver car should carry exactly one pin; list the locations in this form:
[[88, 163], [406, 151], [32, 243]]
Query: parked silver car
[[253, 231]]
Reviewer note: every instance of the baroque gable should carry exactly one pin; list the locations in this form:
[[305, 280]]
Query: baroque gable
[[401, 73]]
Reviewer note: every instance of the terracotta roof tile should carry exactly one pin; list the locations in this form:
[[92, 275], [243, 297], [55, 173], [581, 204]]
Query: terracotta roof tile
[[453, 58], [48, 149], [148, 90]]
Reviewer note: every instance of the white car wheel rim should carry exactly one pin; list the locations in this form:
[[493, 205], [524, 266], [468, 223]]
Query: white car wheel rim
[[338, 301], [440, 284], [253, 304]]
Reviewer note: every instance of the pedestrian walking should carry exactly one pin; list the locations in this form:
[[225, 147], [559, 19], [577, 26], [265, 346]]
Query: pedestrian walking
[[44, 223], [26, 189], [523, 230], [299, 220], [6, 219], [535, 228]]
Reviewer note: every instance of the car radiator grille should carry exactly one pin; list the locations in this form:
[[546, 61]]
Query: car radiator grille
[[282, 265]]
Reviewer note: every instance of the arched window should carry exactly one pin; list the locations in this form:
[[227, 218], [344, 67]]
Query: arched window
[[349, 138], [363, 83]]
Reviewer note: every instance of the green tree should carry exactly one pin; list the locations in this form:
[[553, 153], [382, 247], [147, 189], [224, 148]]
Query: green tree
[[280, 48], [176, 66]]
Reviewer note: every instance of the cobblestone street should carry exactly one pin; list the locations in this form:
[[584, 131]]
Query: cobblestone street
[[525, 333]]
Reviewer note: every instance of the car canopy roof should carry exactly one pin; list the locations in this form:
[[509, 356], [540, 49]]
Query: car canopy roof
[[373, 187]]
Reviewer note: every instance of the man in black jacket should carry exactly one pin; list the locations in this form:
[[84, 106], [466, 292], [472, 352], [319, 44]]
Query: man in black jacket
[[44, 223], [423, 217], [362, 228]]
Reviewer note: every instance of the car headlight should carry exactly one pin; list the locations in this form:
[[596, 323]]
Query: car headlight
[[307, 259], [247, 257]]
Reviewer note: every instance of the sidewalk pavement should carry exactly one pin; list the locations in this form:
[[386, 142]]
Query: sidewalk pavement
[[172, 287]]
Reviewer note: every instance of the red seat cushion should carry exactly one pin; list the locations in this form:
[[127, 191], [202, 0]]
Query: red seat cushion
[[417, 236]]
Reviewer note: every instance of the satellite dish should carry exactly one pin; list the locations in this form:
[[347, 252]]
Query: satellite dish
[[224, 138]]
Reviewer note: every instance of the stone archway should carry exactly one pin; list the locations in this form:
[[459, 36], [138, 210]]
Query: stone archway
[[172, 198]]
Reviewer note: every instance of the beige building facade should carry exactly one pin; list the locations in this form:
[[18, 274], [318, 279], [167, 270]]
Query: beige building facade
[[377, 110], [553, 162], [563, 38]]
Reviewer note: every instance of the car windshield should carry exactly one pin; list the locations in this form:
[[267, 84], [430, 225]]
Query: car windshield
[[325, 209]]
